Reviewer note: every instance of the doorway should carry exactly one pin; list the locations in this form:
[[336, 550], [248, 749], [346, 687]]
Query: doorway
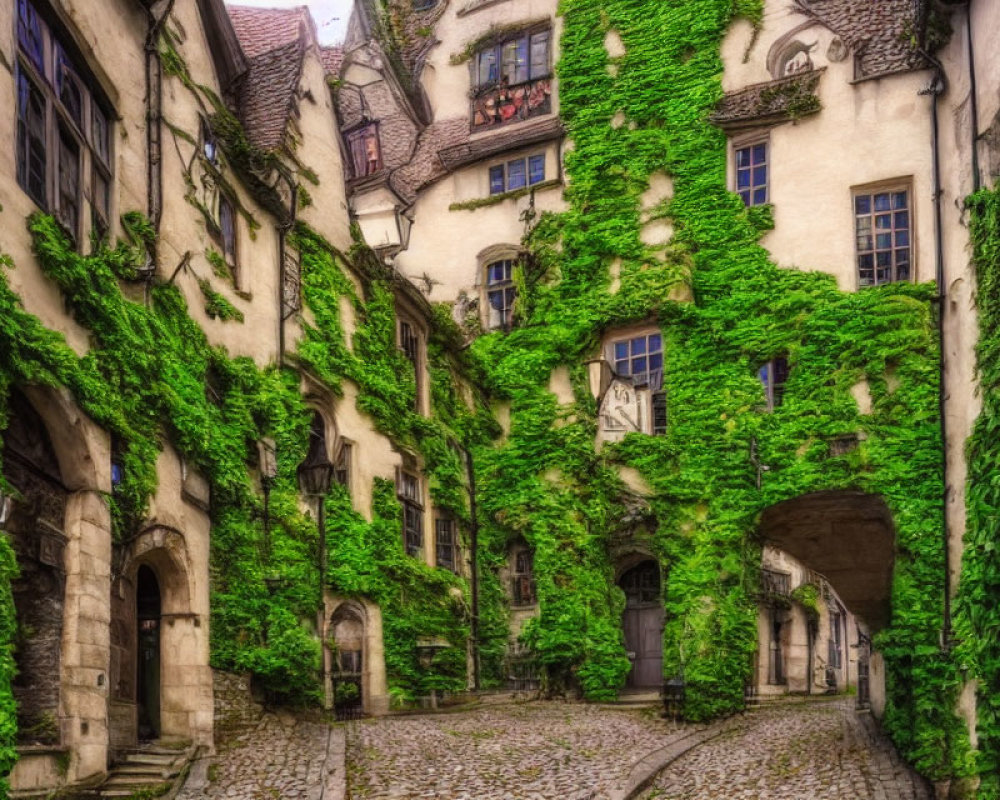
[[642, 623], [148, 614]]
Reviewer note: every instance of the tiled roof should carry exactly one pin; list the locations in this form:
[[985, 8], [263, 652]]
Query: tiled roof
[[523, 135], [880, 33], [770, 102], [263, 29], [332, 58], [268, 91], [425, 166]]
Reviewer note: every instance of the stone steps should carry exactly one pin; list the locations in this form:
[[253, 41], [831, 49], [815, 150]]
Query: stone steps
[[152, 768]]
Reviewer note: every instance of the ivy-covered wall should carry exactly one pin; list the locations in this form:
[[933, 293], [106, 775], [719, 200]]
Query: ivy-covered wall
[[547, 485], [977, 621]]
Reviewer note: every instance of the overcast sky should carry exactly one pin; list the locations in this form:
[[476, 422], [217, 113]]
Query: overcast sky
[[331, 15]]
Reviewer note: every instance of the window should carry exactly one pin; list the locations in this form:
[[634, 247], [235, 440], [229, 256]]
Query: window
[[511, 79], [517, 174], [226, 235], [209, 144], [408, 491], [342, 467], [835, 640], [500, 294], [366, 155], [445, 543], [63, 146], [882, 226], [411, 345], [773, 375], [523, 581], [639, 356], [751, 174]]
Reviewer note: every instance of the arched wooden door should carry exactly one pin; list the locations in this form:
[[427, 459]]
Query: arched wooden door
[[642, 622]]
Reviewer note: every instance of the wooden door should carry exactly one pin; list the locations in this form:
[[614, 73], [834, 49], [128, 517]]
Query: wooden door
[[642, 623]]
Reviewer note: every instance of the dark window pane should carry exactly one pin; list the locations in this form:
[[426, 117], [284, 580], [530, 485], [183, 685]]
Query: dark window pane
[[31, 139], [100, 133], [759, 176], [759, 153], [743, 179], [227, 226], [864, 243], [638, 345], [743, 157], [488, 73], [745, 197], [866, 261], [621, 367], [902, 238], [29, 33], [883, 221], [883, 259], [655, 342], [901, 219], [659, 403], [638, 365], [864, 224], [68, 211], [883, 241], [655, 361], [536, 169], [863, 204], [496, 179], [540, 55], [68, 88], [899, 200], [882, 202], [516, 178], [759, 197], [515, 61], [101, 195], [621, 350]]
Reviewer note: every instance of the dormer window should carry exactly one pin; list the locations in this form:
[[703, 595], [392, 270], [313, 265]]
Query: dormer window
[[366, 154], [511, 79]]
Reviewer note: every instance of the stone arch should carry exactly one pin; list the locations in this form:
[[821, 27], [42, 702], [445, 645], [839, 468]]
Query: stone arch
[[67, 530], [353, 653], [163, 552]]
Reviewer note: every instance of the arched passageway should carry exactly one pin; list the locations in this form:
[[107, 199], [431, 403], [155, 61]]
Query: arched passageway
[[148, 613], [845, 536], [642, 624]]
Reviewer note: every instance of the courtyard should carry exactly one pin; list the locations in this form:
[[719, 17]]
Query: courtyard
[[798, 748]]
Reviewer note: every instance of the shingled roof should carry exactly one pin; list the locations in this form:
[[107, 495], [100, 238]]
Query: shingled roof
[[880, 33], [332, 58], [263, 29], [274, 41], [770, 102]]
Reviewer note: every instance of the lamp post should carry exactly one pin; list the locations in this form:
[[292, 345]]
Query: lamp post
[[315, 476], [268, 462]]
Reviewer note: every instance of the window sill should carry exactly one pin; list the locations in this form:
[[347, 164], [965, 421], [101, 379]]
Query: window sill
[[495, 199]]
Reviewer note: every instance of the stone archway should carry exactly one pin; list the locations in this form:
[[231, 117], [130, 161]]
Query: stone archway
[[154, 692], [349, 664], [642, 624]]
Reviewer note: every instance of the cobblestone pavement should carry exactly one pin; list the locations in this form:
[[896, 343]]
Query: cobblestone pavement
[[280, 758], [536, 751], [816, 750]]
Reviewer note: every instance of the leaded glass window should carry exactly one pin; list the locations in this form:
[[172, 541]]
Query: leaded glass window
[[882, 227]]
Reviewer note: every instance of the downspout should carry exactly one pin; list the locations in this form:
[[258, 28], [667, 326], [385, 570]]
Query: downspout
[[282, 235], [973, 100], [154, 133], [937, 87], [474, 578]]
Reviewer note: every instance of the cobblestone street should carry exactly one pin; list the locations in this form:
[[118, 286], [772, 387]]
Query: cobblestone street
[[796, 751], [533, 751]]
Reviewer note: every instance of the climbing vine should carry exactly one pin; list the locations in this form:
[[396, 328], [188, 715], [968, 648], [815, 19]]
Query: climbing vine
[[724, 309], [977, 620]]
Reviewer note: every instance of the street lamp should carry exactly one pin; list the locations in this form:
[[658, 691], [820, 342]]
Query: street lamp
[[315, 476]]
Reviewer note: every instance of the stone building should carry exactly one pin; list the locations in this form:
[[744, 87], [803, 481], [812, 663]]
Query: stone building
[[248, 437]]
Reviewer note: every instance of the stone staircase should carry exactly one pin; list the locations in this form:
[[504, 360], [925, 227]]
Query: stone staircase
[[150, 768]]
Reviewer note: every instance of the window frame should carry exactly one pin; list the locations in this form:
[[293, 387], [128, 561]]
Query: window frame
[[418, 356], [523, 589], [504, 173], [774, 388], [65, 127], [356, 140], [506, 287], [409, 492], [749, 143], [892, 188], [444, 522]]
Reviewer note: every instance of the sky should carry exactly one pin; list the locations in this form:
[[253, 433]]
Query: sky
[[331, 15]]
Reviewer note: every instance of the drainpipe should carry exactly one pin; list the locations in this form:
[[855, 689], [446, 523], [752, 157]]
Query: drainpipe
[[937, 87], [154, 132], [973, 99], [282, 235], [474, 578]]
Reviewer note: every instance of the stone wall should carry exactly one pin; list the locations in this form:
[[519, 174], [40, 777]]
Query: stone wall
[[235, 708]]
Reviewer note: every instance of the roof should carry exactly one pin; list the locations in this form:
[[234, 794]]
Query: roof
[[268, 93], [770, 102], [263, 29], [468, 152], [425, 166], [882, 34], [332, 58]]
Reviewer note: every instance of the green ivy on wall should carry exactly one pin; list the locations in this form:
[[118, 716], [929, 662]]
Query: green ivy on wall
[[977, 621], [724, 309]]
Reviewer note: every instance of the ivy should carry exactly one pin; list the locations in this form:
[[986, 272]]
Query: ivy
[[724, 309], [977, 617]]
